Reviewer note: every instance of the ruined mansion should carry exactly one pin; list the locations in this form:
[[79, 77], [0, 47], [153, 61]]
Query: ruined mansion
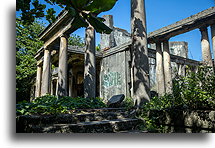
[[61, 68]]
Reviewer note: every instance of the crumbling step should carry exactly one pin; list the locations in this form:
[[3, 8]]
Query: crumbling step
[[71, 118], [98, 110], [133, 131], [105, 126]]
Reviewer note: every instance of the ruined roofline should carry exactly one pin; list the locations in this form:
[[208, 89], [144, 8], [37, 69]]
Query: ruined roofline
[[121, 48], [195, 21], [123, 30], [51, 26], [152, 54], [116, 49], [71, 49]]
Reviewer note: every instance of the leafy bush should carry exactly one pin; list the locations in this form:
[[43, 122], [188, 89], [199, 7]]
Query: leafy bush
[[128, 103], [51, 105], [196, 90]]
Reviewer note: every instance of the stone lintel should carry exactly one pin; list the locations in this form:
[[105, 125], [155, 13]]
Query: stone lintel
[[198, 20]]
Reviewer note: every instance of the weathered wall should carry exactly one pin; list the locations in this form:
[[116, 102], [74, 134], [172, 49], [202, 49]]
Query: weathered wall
[[113, 75], [185, 121], [179, 49], [121, 36]]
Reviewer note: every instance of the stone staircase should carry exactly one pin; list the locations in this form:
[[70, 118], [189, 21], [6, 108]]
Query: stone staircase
[[106, 120]]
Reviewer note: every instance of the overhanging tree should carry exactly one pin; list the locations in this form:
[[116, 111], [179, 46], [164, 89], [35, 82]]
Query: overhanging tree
[[84, 11], [27, 44]]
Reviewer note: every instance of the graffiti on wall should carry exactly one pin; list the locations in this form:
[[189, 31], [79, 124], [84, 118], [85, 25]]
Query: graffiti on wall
[[112, 79]]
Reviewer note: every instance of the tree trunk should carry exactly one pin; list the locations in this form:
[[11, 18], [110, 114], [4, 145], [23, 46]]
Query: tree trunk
[[90, 64], [140, 63]]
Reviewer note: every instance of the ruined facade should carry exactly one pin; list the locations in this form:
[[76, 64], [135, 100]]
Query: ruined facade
[[61, 69]]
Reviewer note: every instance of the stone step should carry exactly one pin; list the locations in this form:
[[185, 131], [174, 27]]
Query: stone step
[[71, 118], [104, 126], [98, 110]]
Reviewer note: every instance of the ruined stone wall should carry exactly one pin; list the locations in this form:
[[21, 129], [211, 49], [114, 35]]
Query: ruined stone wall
[[121, 36], [113, 75], [185, 121], [176, 48]]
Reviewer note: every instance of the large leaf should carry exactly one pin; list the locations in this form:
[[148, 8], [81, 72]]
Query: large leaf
[[79, 4], [98, 6], [79, 22], [98, 25]]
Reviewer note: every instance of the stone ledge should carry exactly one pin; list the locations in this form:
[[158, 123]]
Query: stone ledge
[[193, 120]]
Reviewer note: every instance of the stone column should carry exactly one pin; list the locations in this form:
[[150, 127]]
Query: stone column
[[52, 88], [71, 83], [181, 69], [160, 70], [213, 39], [107, 40], [167, 67], [90, 64], [38, 81], [140, 61], [46, 76], [206, 53], [62, 67]]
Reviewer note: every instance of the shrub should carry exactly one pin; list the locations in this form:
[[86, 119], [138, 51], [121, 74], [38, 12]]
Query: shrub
[[51, 105], [196, 90], [128, 103]]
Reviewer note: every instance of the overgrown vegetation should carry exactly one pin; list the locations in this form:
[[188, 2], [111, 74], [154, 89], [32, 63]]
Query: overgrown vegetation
[[84, 12], [128, 103], [194, 91], [52, 105], [27, 44]]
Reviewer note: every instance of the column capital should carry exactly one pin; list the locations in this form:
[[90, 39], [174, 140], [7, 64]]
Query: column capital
[[166, 40], [157, 40], [47, 48], [203, 28], [64, 35], [40, 63]]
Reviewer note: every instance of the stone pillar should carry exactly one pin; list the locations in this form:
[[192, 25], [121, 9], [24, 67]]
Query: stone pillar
[[62, 67], [46, 75], [38, 81], [206, 53], [71, 83], [181, 69], [167, 67], [213, 39], [160, 70], [56, 91], [140, 61], [90, 64], [52, 88], [107, 40]]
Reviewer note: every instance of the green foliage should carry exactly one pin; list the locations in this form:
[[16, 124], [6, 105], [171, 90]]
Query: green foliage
[[193, 91], [76, 40], [128, 103], [52, 105], [84, 11], [196, 90], [98, 47], [27, 43]]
